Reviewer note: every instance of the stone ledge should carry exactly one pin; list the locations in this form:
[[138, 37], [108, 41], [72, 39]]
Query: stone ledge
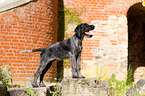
[[40, 91], [85, 87], [8, 4], [136, 89]]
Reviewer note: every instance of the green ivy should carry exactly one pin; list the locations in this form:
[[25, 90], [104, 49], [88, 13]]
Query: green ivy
[[72, 16]]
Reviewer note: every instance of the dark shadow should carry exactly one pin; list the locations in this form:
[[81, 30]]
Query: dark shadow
[[60, 35], [136, 39]]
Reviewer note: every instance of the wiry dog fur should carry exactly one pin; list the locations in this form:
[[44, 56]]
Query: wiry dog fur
[[69, 48]]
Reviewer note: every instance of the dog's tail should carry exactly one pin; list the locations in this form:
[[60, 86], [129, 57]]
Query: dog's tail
[[30, 51]]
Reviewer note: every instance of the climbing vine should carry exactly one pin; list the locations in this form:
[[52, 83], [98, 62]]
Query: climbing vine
[[72, 17]]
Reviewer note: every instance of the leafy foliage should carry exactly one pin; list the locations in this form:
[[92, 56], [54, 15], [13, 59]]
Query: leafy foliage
[[129, 76], [30, 92], [57, 90], [72, 16], [4, 78], [120, 87]]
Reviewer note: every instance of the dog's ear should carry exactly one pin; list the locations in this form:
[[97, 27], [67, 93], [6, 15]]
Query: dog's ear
[[78, 30]]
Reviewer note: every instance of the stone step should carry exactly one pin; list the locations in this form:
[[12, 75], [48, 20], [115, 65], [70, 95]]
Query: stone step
[[26, 91], [137, 89], [68, 87], [40, 91], [85, 87]]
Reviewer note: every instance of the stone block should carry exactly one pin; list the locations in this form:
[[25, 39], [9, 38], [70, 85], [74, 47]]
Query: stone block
[[40, 91], [85, 87], [137, 89]]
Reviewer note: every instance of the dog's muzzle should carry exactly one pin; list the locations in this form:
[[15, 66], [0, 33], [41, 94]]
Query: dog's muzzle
[[92, 27], [88, 34]]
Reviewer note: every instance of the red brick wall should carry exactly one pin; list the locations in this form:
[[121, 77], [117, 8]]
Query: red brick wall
[[24, 28], [34, 25], [98, 10]]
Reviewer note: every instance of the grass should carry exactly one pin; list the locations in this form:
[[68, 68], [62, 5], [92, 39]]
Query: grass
[[120, 87]]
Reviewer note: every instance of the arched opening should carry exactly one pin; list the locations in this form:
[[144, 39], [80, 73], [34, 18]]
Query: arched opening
[[136, 39]]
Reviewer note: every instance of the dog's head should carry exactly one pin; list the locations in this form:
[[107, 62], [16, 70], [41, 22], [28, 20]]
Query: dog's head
[[83, 30]]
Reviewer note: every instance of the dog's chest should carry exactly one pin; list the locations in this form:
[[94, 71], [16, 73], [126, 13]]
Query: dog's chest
[[78, 49]]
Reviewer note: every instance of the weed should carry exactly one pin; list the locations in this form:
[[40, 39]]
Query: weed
[[102, 72], [66, 63], [56, 90], [30, 92], [5, 76], [120, 87], [129, 76]]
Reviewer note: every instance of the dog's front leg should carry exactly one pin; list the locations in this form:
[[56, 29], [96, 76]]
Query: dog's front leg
[[78, 66], [73, 66]]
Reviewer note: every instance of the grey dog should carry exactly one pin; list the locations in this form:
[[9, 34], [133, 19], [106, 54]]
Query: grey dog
[[69, 48]]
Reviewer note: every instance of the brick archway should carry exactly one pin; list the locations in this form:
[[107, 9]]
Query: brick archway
[[136, 39]]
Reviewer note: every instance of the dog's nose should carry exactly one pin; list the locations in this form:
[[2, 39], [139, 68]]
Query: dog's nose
[[92, 27]]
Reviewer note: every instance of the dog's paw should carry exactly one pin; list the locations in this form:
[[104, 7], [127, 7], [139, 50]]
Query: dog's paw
[[41, 84], [35, 85], [75, 76]]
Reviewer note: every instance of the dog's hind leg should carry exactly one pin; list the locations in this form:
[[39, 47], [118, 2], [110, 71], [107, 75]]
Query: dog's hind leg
[[41, 84], [34, 84], [40, 69], [42, 65]]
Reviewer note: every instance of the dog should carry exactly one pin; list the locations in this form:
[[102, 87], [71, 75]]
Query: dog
[[69, 48]]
